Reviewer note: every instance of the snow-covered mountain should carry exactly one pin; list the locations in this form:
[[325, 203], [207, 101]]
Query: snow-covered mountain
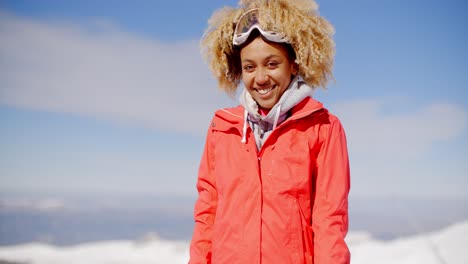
[[447, 246]]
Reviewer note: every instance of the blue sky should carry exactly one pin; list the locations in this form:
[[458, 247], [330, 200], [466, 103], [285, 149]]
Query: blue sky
[[113, 96]]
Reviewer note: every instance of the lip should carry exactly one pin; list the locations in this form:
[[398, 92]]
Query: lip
[[267, 93]]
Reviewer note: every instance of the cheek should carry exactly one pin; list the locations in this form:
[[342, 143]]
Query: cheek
[[246, 79]]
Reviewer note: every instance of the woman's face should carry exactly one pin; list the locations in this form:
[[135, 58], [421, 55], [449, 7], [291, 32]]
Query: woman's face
[[266, 71]]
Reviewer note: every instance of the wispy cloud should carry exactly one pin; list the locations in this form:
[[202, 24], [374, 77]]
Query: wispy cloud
[[398, 152], [49, 204], [374, 125], [99, 70]]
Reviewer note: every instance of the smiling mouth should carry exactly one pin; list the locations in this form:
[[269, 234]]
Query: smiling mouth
[[264, 91]]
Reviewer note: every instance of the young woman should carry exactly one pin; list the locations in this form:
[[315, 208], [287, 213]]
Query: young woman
[[273, 181]]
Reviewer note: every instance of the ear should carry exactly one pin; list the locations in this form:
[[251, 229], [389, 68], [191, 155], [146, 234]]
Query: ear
[[295, 68]]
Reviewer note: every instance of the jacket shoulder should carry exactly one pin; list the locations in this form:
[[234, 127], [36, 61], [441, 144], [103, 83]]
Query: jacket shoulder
[[320, 119], [227, 118], [329, 126], [318, 109], [231, 114]]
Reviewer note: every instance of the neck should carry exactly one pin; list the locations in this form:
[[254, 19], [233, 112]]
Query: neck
[[263, 111]]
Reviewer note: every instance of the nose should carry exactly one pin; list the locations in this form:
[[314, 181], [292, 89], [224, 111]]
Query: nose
[[261, 76]]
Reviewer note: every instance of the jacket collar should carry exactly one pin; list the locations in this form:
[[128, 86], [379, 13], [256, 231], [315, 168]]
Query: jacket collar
[[229, 118]]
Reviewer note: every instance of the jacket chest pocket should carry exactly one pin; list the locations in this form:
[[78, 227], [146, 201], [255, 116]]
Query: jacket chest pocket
[[287, 168], [233, 164]]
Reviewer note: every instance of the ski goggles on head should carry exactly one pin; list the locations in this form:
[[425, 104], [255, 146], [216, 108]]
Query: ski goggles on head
[[249, 22]]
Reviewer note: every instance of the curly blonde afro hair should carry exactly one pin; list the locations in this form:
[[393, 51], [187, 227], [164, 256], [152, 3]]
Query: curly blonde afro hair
[[309, 35]]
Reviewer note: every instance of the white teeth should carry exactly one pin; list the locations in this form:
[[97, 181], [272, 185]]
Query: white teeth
[[264, 91]]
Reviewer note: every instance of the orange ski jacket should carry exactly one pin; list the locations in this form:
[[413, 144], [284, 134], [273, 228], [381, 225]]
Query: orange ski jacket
[[285, 203]]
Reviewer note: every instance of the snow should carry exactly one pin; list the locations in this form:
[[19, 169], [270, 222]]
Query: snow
[[441, 247], [447, 246]]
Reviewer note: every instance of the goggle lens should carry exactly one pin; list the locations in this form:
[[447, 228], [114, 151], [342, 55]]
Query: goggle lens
[[247, 23]]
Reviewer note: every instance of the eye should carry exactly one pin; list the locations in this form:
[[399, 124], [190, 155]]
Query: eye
[[248, 67], [272, 64]]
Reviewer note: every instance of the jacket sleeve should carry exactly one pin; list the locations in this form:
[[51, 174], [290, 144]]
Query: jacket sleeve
[[205, 208], [330, 209]]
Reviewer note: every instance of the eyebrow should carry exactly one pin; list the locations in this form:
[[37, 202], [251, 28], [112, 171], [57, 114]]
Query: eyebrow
[[267, 58]]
